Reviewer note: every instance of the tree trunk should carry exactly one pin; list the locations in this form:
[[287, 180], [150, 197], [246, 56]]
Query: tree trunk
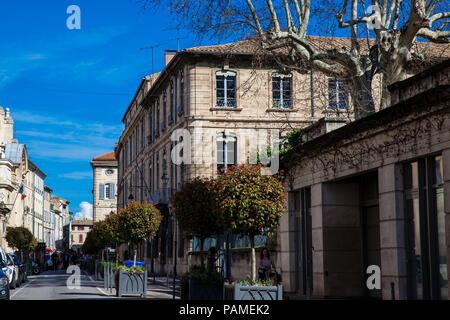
[[253, 257], [390, 77], [362, 98]]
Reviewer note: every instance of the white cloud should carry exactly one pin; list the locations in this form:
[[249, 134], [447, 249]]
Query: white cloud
[[86, 211], [77, 175], [54, 137]]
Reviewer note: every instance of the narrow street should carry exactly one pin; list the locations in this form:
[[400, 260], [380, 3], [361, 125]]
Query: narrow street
[[52, 285]]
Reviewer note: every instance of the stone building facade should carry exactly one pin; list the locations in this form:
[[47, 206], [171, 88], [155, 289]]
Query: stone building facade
[[374, 195], [222, 104], [105, 186], [225, 107], [79, 231], [24, 199]]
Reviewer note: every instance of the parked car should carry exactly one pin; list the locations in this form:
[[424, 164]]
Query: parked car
[[14, 282], [6, 267], [4, 285], [22, 268]]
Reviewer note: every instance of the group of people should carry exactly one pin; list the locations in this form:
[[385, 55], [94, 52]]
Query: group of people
[[60, 260]]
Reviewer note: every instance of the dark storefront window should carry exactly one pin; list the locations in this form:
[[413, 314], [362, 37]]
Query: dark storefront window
[[426, 229]]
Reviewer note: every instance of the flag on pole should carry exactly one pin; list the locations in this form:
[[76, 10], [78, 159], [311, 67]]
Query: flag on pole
[[22, 192]]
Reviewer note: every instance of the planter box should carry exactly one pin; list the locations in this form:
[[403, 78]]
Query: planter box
[[237, 292], [132, 284], [199, 290]]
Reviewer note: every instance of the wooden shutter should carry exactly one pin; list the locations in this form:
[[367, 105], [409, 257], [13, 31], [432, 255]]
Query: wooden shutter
[[112, 193], [102, 192]]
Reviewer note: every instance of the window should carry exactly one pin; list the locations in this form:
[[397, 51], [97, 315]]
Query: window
[[281, 91], [226, 152], [337, 95], [181, 106], [107, 191], [157, 117], [150, 126], [142, 134], [171, 104], [226, 89], [164, 111], [81, 238], [425, 229]]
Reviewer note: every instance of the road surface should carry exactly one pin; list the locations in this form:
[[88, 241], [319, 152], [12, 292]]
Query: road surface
[[53, 285]]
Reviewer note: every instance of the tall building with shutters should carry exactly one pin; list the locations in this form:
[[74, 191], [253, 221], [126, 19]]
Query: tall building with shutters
[[105, 181]]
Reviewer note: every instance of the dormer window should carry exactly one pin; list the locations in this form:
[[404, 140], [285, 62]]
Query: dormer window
[[226, 89], [281, 91]]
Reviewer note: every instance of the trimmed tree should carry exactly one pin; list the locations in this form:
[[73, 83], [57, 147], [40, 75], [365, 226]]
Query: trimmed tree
[[253, 201], [92, 244], [197, 211], [137, 222], [21, 239]]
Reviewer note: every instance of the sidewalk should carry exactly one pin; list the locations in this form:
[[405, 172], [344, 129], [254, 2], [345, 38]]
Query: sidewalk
[[166, 282], [159, 290]]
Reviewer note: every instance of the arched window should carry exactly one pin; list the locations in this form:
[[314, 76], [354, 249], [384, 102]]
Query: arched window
[[225, 89], [281, 91]]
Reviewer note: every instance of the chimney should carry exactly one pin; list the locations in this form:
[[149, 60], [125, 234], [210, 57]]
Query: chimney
[[168, 55]]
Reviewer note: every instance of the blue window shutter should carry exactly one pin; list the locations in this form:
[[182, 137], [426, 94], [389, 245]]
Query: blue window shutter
[[111, 192], [102, 192]]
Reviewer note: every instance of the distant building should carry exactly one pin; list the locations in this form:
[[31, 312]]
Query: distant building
[[37, 209], [80, 229], [13, 169], [49, 219], [63, 218], [105, 182]]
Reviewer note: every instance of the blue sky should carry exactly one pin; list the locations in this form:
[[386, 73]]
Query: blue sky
[[68, 89]]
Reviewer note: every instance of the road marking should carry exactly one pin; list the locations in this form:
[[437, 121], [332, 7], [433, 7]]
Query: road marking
[[22, 287], [103, 292]]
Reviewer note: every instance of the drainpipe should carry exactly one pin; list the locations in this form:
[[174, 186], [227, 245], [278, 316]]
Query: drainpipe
[[34, 198], [312, 93]]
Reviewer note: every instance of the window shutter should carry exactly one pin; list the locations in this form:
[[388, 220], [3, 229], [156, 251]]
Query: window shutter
[[231, 151], [112, 193], [102, 192]]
